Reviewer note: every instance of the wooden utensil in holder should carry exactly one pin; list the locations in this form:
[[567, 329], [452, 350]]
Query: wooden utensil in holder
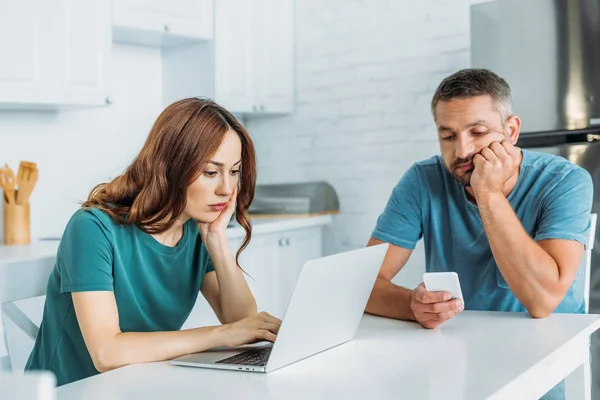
[[16, 223], [16, 203]]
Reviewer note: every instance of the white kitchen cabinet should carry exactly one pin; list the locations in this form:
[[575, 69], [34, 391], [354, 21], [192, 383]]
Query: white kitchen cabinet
[[274, 56], [25, 48], [272, 262], [248, 68], [262, 263], [297, 247], [54, 53], [254, 55], [83, 51], [234, 80], [162, 22]]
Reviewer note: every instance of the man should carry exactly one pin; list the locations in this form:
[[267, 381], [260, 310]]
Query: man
[[512, 223]]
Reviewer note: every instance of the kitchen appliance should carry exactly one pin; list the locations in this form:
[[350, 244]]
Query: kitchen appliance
[[294, 200], [549, 53]]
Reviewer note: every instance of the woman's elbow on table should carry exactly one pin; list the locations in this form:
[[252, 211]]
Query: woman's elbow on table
[[104, 359]]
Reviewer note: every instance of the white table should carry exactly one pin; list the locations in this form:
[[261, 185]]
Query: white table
[[476, 355]]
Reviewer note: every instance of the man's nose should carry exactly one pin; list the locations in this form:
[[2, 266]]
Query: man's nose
[[464, 147]]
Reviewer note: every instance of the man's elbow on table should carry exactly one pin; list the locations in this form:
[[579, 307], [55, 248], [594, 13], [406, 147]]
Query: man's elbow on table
[[545, 305], [539, 312]]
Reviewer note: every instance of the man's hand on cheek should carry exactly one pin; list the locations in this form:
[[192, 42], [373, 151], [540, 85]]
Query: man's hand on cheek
[[494, 165]]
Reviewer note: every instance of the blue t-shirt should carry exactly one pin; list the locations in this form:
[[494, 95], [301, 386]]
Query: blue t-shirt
[[552, 199]]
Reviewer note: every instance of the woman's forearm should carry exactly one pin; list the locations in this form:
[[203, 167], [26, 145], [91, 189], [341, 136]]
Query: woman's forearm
[[237, 302], [139, 347]]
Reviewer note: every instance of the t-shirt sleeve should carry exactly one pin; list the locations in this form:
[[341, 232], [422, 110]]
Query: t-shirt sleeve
[[85, 257], [566, 210], [401, 221]]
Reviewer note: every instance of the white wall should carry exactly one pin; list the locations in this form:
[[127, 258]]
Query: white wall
[[76, 150], [365, 75]]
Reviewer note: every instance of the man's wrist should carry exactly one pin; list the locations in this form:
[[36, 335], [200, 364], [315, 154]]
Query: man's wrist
[[411, 314], [488, 199]]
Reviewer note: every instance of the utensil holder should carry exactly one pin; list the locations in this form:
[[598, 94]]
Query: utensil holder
[[16, 223]]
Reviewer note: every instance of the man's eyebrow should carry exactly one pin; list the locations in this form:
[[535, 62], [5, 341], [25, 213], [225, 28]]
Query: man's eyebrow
[[478, 122], [443, 128]]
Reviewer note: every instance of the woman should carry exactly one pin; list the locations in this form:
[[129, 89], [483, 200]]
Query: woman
[[132, 261]]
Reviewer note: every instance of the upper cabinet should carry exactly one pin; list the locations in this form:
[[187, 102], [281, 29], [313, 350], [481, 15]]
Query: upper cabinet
[[162, 23], [82, 51], [54, 53], [234, 58], [254, 55], [274, 56], [25, 47], [247, 68]]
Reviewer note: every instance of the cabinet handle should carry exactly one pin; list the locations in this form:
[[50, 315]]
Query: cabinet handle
[[262, 107], [167, 28], [254, 108], [108, 100], [281, 242], [288, 241]]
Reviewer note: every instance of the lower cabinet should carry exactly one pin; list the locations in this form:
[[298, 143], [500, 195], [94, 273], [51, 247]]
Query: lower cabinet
[[272, 263]]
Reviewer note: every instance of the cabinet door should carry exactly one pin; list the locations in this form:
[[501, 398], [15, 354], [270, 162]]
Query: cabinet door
[[234, 88], [274, 57], [188, 18], [83, 45], [25, 45], [298, 246], [262, 261]]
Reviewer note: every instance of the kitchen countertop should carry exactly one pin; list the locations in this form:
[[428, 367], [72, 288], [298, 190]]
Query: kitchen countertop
[[47, 248], [260, 226]]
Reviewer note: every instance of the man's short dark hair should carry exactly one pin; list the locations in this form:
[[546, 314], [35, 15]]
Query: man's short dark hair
[[472, 82]]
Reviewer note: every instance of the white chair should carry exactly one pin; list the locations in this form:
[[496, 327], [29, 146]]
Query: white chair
[[586, 262], [20, 280], [29, 386], [578, 385]]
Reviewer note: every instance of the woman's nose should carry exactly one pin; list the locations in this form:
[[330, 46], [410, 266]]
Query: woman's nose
[[224, 188]]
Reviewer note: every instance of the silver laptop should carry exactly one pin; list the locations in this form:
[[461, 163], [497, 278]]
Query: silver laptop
[[325, 310]]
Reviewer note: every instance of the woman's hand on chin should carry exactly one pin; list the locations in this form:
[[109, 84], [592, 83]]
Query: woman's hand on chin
[[219, 226]]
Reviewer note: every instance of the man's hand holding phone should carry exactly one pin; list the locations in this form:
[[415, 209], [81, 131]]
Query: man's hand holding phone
[[432, 308]]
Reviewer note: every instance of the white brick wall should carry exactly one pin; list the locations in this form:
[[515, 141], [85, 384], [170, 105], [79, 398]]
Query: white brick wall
[[365, 74]]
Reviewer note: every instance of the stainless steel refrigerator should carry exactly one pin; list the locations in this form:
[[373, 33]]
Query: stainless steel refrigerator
[[549, 53]]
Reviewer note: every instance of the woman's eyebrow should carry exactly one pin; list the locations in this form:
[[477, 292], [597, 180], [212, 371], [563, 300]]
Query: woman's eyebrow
[[220, 164]]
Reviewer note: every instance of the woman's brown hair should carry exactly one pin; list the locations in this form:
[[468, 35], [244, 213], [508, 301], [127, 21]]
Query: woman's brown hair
[[151, 193]]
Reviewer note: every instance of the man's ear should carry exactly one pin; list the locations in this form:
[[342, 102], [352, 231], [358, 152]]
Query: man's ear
[[513, 127]]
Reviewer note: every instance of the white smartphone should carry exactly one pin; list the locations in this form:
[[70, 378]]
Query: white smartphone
[[443, 282]]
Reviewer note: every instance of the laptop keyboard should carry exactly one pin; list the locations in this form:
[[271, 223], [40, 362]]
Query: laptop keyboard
[[257, 357]]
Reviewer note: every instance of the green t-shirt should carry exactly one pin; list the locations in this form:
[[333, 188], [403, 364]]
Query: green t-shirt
[[155, 286]]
